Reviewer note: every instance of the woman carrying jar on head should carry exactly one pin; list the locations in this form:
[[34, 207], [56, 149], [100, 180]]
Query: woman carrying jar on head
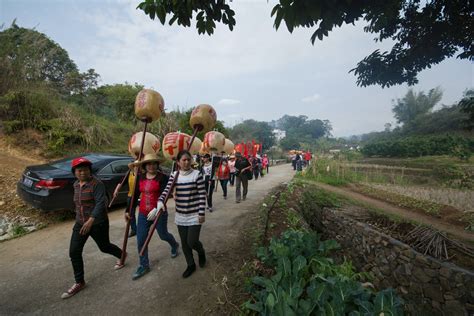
[[190, 201]]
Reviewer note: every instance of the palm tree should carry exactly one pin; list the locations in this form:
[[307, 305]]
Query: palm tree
[[414, 104]]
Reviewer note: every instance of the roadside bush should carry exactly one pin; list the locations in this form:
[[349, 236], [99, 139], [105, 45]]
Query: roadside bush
[[417, 146], [29, 106]]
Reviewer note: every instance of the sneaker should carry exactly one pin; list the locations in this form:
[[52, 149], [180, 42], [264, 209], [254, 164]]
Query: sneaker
[[132, 233], [209, 209], [238, 201], [141, 271], [225, 197], [202, 260], [73, 290], [189, 270], [174, 251], [244, 198]]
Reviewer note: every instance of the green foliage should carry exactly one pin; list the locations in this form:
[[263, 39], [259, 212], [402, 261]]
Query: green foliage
[[305, 281], [416, 146], [29, 106], [413, 105], [10, 127], [252, 129], [181, 119], [120, 98], [317, 198], [18, 230], [28, 56], [208, 12], [467, 107], [423, 33], [301, 132]]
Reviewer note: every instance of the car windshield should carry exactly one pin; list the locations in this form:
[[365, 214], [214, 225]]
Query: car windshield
[[65, 164]]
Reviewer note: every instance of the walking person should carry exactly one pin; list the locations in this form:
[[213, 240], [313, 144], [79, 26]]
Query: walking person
[[209, 182], [223, 175], [299, 162], [231, 164], [243, 172], [151, 184], [190, 201], [307, 158], [254, 161], [260, 166], [131, 183], [91, 220], [265, 162], [293, 160]]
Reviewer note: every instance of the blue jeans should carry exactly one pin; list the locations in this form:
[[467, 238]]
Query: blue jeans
[[224, 186], [143, 226]]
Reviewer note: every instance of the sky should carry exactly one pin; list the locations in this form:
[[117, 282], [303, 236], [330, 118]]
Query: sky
[[253, 72]]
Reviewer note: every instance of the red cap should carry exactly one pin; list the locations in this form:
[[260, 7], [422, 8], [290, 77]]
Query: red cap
[[80, 161]]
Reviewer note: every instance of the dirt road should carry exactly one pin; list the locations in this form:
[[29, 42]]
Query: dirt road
[[35, 269]]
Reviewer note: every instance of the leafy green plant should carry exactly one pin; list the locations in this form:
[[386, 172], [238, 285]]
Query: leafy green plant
[[306, 281], [18, 230]]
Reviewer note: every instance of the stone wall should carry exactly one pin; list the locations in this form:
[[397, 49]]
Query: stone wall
[[428, 286]]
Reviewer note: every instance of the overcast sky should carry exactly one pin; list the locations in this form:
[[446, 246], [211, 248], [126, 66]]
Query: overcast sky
[[253, 72]]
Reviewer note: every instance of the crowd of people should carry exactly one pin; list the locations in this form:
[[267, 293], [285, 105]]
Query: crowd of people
[[192, 189], [300, 159]]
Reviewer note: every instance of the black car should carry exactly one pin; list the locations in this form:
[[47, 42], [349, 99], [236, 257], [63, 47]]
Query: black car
[[49, 187]]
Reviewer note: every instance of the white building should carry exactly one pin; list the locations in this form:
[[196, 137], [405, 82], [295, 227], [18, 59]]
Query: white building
[[279, 134]]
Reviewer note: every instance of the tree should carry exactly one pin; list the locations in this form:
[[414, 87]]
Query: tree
[[290, 142], [249, 130], [80, 83], [181, 122], [467, 106], [28, 56], [119, 97], [424, 32], [414, 104]]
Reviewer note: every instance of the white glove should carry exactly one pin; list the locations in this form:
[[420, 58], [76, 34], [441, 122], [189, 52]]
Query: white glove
[[160, 206], [154, 212], [152, 215]]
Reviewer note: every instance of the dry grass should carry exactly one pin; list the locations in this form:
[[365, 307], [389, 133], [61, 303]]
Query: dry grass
[[462, 200]]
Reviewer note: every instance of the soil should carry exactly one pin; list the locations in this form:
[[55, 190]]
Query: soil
[[13, 161]]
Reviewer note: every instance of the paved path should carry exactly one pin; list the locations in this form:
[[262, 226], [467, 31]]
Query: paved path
[[35, 269]]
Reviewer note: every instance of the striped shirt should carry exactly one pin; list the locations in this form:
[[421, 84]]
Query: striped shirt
[[189, 197]]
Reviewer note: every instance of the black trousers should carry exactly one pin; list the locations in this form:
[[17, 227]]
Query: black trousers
[[232, 178], [100, 234], [210, 185], [190, 240]]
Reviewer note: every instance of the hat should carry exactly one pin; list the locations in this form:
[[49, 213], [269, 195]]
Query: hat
[[146, 159], [232, 157], [81, 161], [206, 156]]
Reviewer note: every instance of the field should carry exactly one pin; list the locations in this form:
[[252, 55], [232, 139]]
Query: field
[[439, 186]]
